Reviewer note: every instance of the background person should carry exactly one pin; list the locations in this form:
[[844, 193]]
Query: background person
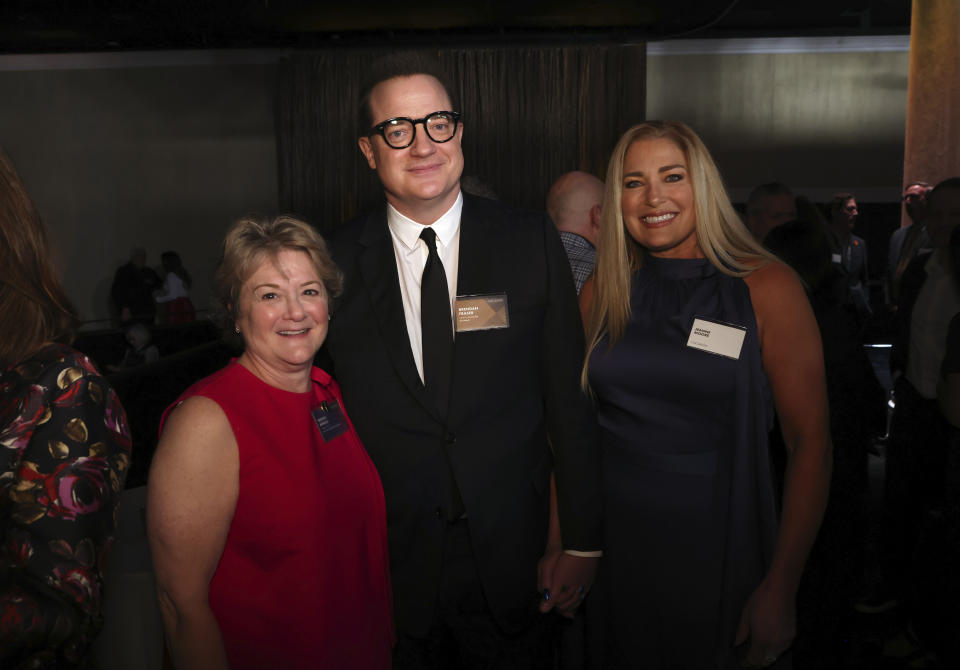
[[176, 285], [64, 453], [139, 350], [132, 289], [691, 326], [850, 252], [917, 451], [573, 203], [906, 242], [265, 516]]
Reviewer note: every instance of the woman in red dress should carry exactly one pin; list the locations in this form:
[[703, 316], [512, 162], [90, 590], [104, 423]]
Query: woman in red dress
[[266, 517]]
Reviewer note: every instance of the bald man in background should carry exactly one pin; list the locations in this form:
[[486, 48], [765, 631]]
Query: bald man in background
[[573, 204]]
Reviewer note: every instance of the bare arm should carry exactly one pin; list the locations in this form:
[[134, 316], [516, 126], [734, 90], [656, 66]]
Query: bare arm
[[793, 361], [192, 495]]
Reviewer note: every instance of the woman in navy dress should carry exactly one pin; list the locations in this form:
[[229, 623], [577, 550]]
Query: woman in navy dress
[[696, 335]]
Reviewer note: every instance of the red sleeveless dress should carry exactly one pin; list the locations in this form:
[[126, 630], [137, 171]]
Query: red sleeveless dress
[[304, 580]]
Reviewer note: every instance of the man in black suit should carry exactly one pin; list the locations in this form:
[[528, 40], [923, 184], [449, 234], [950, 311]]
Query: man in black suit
[[850, 252], [455, 405]]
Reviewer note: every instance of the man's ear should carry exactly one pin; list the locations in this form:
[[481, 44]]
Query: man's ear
[[595, 217], [595, 212], [367, 150]]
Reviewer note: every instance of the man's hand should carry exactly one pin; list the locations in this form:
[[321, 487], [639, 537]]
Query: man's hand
[[567, 583]]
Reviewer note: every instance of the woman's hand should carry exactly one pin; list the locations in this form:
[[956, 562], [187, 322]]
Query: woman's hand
[[562, 578], [768, 624]]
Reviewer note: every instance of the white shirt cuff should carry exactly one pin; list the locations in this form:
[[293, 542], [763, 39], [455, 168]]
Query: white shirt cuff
[[583, 554]]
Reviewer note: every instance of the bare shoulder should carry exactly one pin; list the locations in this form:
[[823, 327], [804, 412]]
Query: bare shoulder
[[194, 475], [777, 295], [773, 279], [197, 429]]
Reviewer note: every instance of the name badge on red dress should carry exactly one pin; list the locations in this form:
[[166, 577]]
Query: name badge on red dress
[[330, 420]]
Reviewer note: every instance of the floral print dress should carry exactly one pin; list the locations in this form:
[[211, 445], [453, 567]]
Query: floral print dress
[[64, 454]]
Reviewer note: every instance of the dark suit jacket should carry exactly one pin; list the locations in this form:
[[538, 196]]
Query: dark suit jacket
[[853, 263], [511, 388]]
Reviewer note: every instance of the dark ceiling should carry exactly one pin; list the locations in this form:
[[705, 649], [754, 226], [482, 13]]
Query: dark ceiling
[[39, 26]]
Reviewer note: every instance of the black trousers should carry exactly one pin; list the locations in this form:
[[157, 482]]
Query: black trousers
[[464, 634]]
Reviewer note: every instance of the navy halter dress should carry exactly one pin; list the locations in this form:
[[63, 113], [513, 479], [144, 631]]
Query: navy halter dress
[[690, 510]]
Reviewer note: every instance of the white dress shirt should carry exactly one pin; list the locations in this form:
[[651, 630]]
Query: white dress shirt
[[173, 288], [411, 253]]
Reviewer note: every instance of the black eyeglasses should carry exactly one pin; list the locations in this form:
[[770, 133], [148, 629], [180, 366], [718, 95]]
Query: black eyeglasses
[[399, 132]]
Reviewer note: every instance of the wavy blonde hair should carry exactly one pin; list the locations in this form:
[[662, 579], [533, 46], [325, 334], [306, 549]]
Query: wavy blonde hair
[[721, 235]]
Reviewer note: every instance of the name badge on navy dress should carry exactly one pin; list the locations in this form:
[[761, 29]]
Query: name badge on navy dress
[[330, 420], [723, 339]]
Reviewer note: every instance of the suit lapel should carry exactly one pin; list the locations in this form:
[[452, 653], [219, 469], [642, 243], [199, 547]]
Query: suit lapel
[[476, 274], [378, 267]]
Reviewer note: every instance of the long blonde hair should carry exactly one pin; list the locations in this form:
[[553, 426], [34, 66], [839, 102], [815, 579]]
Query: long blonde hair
[[721, 235]]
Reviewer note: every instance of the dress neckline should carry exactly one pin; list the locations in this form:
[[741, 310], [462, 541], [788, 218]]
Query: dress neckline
[[678, 268]]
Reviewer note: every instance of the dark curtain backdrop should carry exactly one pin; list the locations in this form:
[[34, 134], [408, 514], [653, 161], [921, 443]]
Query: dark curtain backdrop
[[529, 115]]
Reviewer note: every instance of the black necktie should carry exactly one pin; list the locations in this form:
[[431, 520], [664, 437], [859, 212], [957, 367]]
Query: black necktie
[[437, 335], [435, 325]]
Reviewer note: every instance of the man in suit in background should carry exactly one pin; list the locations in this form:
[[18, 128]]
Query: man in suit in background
[[573, 202], [908, 241], [850, 252], [458, 347]]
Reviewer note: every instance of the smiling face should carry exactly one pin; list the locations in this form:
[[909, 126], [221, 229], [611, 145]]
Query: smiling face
[[421, 181], [283, 314], [657, 199]]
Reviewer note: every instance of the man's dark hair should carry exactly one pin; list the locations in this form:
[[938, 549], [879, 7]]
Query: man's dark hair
[[402, 64], [762, 191], [838, 201]]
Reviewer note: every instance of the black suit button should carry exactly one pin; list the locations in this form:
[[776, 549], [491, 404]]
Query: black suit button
[[439, 513], [450, 438]]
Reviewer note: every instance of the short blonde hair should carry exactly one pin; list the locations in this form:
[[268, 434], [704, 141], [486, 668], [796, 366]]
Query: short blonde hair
[[250, 240], [721, 235]]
